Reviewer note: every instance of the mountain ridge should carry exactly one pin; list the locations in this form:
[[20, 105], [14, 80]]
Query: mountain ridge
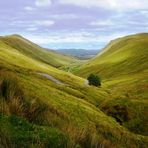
[[35, 51], [118, 51]]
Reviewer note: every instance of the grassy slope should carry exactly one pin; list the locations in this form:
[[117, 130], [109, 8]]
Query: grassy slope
[[28, 135], [123, 67], [123, 56], [34, 51], [70, 109]]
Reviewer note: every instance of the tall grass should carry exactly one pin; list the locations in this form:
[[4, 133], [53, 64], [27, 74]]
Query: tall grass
[[4, 140], [11, 94], [12, 100]]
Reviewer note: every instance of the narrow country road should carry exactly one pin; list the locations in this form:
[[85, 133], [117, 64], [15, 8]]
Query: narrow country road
[[49, 77], [86, 82]]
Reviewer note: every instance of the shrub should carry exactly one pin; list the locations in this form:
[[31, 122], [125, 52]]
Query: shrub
[[94, 80]]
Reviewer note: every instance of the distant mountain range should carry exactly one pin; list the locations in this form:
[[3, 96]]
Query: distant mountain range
[[80, 53]]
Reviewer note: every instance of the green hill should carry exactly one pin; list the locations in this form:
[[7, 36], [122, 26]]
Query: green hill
[[123, 56], [123, 67], [36, 52], [35, 111]]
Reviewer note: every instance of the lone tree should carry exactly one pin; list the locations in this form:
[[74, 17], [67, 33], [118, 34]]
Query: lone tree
[[94, 80]]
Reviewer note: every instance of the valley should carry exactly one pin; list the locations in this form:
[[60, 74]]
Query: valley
[[45, 96]]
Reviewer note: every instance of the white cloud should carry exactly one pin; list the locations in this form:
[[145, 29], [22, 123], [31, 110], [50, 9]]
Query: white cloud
[[144, 12], [64, 16], [83, 37], [28, 8], [43, 3], [45, 23], [110, 4], [32, 29], [32, 25], [17, 22], [102, 23]]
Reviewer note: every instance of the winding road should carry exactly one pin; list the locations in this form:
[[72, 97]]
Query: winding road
[[49, 77]]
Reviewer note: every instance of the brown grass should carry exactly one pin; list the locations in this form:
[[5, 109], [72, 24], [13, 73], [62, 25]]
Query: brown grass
[[12, 100]]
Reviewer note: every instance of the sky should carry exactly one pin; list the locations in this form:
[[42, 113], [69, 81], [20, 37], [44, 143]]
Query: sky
[[79, 24]]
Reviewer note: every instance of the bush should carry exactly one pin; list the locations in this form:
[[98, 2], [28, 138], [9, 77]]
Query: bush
[[94, 80]]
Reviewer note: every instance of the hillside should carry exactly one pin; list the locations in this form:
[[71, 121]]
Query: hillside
[[123, 68], [36, 111], [34, 51], [122, 56]]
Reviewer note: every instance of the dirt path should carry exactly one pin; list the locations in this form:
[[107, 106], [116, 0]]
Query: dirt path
[[49, 77], [86, 83]]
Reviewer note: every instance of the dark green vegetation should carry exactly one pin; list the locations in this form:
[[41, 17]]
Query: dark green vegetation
[[36, 112], [18, 132], [94, 80]]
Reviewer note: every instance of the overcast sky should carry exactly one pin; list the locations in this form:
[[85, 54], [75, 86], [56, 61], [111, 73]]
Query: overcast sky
[[87, 24]]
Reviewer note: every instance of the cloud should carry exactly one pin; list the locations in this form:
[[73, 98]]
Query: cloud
[[28, 8], [144, 12], [77, 37], [32, 29], [32, 25], [43, 3], [110, 4], [45, 23], [67, 40], [102, 23], [64, 16]]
